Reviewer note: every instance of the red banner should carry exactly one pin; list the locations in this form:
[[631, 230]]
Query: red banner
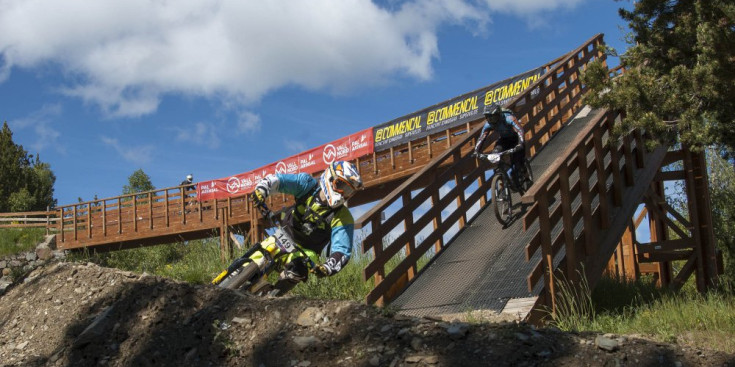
[[311, 161]]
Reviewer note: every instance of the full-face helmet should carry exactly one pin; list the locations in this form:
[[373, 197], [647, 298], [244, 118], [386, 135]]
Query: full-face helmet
[[492, 110], [339, 182]]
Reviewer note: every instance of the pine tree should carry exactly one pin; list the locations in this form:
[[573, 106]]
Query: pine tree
[[25, 183], [679, 79]]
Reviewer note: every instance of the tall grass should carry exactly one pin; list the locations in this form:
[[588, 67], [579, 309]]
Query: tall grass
[[17, 240], [639, 307], [199, 262], [194, 261]]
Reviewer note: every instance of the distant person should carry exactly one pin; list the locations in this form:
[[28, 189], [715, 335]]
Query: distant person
[[188, 183], [511, 138]]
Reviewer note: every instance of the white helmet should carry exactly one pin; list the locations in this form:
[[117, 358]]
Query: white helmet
[[339, 182], [189, 177]]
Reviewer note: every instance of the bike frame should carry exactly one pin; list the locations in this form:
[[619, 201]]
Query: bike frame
[[272, 252]]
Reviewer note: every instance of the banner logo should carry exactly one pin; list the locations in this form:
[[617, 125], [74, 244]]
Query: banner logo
[[330, 153], [281, 167], [233, 185]]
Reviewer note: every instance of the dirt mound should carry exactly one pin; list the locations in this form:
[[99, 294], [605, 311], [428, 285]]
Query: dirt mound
[[84, 315]]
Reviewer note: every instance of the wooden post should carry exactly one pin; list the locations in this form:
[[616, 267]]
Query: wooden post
[[409, 228], [135, 213], [89, 220], [567, 225], [75, 222], [119, 215], [150, 210], [546, 250], [165, 199], [104, 218]]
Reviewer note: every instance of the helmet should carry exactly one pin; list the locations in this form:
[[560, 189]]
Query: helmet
[[189, 177], [492, 109], [339, 182]]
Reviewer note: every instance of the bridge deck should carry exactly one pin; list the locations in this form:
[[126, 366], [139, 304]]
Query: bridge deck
[[484, 266]]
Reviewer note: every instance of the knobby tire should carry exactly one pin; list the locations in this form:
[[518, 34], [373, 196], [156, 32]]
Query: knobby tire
[[243, 275], [503, 208]]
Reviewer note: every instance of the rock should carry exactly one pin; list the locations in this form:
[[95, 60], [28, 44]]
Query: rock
[[414, 359], [241, 320], [97, 329], [457, 330], [606, 343], [304, 342], [44, 253], [522, 337], [416, 343], [4, 284], [309, 317], [22, 345], [374, 361], [431, 360]]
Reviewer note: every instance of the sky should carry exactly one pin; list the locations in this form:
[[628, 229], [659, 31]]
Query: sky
[[102, 88]]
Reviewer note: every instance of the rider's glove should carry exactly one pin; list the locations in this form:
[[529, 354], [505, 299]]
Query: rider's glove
[[322, 271], [474, 154], [260, 194]]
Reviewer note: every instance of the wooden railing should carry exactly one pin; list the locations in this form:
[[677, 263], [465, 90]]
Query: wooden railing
[[145, 214], [542, 109], [594, 187], [38, 219]]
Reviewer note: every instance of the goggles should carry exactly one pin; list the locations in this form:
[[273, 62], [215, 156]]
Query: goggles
[[342, 186]]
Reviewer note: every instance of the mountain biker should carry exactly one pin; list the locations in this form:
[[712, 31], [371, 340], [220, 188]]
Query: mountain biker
[[188, 183], [511, 138], [319, 217]]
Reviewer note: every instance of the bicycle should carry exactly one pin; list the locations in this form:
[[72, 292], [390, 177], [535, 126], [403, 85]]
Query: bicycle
[[250, 271], [501, 185]]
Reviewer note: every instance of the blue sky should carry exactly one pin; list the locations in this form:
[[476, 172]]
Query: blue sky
[[217, 88]]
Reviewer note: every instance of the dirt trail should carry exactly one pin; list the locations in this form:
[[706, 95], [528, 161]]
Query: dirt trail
[[68, 314]]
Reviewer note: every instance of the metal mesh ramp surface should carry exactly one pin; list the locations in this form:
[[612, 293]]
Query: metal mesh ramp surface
[[484, 266]]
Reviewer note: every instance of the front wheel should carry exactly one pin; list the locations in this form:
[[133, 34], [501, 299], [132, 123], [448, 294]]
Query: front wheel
[[245, 276], [501, 199]]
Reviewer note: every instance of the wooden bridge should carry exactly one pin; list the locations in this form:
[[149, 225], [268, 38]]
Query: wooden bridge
[[581, 217]]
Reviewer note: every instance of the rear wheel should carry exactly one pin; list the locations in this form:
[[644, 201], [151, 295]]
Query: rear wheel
[[245, 276], [501, 199]]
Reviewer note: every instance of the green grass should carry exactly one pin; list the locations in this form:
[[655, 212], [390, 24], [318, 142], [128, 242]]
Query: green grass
[[199, 262], [621, 307], [194, 261], [17, 240]]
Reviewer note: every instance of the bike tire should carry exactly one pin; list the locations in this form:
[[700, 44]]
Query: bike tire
[[241, 277], [501, 199]]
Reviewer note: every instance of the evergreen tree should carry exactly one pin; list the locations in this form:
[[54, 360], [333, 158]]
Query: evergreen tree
[[138, 181], [679, 81], [25, 183]]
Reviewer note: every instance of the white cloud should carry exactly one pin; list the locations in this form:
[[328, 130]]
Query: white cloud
[[123, 56], [135, 154], [529, 7], [247, 122], [40, 121], [295, 145], [202, 134]]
